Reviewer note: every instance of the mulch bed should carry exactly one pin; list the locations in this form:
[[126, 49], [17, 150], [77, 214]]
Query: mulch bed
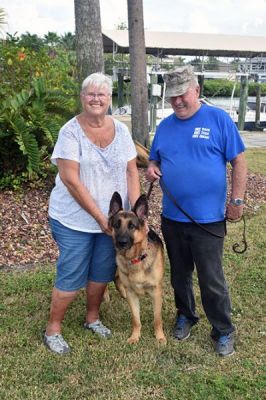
[[25, 233]]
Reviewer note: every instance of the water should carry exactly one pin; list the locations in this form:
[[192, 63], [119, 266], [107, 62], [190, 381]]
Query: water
[[218, 101], [223, 102], [126, 102]]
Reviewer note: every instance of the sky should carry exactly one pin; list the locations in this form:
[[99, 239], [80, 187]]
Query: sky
[[238, 17]]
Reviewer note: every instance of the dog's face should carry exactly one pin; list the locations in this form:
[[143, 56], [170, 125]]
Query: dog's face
[[128, 227]]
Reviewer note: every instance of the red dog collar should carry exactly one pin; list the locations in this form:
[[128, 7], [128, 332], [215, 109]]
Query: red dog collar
[[138, 259]]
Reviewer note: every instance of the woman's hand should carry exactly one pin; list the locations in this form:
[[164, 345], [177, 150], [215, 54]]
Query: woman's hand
[[103, 222], [69, 174]]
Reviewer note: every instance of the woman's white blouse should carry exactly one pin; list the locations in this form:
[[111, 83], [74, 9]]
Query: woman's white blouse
[[102, 170]]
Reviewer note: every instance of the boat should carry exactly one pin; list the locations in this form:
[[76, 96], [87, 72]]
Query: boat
[[250, 118], [252, 104]]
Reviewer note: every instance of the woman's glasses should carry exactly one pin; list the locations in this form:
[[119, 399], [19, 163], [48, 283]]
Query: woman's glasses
[[100, 96]]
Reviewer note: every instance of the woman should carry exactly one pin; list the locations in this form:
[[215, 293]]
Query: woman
[[95, 156]]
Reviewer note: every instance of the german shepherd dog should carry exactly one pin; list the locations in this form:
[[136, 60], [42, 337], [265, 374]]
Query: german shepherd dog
[[140, 262]]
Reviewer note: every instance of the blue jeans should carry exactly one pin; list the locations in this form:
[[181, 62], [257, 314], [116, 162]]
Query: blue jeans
[[82, 257]]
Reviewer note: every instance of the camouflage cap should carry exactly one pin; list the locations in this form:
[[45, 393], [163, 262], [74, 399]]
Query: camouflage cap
[[179, 80]]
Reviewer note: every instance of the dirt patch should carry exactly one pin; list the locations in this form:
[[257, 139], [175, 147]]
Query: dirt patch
[[26, 239]]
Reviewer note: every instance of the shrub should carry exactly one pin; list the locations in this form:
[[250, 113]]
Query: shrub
[[39, 93], [30, 121]]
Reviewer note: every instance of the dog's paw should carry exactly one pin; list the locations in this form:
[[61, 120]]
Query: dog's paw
[[133, 339], [123, 293], [161, 339]]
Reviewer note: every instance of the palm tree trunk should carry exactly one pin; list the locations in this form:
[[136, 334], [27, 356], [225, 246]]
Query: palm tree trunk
[[138, 73], [89, 42]]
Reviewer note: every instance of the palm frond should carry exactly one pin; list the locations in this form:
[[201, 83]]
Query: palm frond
[[17, 101], [39, 87], [2, 19], [27, 144], [52, 130]]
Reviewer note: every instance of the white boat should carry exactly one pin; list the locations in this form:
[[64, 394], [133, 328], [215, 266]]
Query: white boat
[[252, 104]]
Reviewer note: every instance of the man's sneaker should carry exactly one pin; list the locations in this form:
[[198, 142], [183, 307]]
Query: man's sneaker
[[56, 343], [224, 345], [182, 327], [99, 328]]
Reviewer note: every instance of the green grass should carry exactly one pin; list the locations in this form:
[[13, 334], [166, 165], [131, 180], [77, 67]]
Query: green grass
[[256, 158], [113, 370]]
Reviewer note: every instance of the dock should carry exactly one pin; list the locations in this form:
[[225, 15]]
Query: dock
[[254, 138], [250, 138]]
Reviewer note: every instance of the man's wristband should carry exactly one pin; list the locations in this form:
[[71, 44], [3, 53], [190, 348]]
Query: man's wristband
[[237, 202]]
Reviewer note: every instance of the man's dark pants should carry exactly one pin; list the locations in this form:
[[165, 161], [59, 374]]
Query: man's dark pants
[[188, 246]]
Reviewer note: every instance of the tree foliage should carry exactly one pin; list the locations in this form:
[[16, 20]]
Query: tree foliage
[[39, 93], [30, 122]]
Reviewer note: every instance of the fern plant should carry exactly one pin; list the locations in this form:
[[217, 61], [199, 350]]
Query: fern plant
[[29, 125]]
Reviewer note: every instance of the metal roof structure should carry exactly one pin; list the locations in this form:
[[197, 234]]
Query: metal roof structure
[[161, 44]]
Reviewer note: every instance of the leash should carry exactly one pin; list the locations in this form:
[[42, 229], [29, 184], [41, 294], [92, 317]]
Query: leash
[[150, 190], [235, 246]]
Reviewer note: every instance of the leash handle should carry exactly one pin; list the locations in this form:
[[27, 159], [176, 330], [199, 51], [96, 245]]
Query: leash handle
[[236, 246]]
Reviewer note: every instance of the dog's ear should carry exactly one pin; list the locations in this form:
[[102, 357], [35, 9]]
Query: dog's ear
[[115, 204], [141, 207]]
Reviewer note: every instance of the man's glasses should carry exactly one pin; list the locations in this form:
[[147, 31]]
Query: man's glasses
[[101, 96]]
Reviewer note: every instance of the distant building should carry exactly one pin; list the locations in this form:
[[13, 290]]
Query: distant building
[[256, 67]]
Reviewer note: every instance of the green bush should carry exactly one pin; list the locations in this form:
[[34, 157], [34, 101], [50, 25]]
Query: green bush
[[30, 122], [224, 88], [252, 88], [20, 65], [218, 87], [39, 93]]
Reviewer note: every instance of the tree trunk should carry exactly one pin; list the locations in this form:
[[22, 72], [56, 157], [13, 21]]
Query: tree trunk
[[89, 42], [138, 73]]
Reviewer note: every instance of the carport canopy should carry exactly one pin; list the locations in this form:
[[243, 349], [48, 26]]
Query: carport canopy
[[162, 44]]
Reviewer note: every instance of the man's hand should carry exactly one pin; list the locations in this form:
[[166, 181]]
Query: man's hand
[[153, 172], [233, 212]]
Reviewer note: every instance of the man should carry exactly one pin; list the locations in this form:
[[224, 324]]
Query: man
[[189, 153]]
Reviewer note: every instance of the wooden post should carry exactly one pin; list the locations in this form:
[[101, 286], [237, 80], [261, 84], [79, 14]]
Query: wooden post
[[201, 83], [153, 103], [120, 94], [258, 105], [243, 102]]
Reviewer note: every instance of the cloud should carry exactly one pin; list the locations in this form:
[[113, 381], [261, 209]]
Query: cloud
[[113, 12], [39, 17], [204, 16]]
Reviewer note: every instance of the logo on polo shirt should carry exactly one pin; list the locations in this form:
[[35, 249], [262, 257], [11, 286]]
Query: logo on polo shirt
[[201, 133]]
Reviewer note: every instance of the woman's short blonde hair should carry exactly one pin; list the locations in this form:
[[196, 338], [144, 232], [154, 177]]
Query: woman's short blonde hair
[[99, 80]]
